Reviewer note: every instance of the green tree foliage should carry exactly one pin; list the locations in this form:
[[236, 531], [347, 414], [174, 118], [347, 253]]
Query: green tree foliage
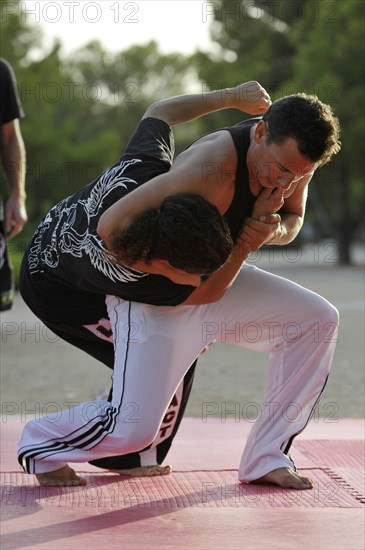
[[329, 43], [316, 46], [17, 38], [81, 110]]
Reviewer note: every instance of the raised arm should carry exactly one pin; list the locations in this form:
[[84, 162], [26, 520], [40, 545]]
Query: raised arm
[[187, 175], [249, 97]]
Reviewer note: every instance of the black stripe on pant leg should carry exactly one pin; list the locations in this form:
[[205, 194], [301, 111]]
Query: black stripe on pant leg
[[55, 446], [133, 460], [290, 441], [98, 431], [164, 447]]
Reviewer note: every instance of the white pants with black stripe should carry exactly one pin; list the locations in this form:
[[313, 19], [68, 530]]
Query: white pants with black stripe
[[154, 347]]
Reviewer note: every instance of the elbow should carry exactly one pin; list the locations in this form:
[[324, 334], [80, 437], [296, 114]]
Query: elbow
[[295, 230], [151, 110], [159, 110]]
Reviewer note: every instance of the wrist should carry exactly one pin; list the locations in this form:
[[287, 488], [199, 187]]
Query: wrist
[[278, 236], [19, 196], [223, 98], [240, 252]]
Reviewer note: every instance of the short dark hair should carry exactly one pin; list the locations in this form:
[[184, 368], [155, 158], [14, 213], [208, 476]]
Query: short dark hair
[[187, 231], [309, 121]]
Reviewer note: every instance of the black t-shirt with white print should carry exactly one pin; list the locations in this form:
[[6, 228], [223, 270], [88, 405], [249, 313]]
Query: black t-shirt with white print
[[67, 270]]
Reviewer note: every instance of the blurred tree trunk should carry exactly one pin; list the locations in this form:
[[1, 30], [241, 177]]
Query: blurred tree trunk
[[345, 226], [321, 214]]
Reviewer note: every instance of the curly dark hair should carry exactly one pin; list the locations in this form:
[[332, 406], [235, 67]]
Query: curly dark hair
[[186, 230], [309, 121]]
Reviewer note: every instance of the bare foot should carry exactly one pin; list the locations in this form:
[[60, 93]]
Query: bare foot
[[64, 477], [285, 477], [145, 471]]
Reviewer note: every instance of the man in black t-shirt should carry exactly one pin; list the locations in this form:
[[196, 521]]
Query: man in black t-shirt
[[67, 272], [13, 216], [257, 177]]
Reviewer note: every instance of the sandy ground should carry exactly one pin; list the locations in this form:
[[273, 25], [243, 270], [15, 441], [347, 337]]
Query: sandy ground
[[41, 374]]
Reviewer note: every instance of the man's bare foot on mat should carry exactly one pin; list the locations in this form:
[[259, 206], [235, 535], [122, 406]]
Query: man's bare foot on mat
[[145, 471], [64, 477], [285, 477]]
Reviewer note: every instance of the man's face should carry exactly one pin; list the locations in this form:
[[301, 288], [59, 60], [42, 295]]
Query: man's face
[[277, 164]]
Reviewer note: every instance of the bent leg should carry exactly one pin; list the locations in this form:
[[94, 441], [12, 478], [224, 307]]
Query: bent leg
[[147, 461], [97, 341], [298, 329], [149, 366]]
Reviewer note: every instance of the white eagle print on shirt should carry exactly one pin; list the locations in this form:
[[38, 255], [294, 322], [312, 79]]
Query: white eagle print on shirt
[[66, 239]]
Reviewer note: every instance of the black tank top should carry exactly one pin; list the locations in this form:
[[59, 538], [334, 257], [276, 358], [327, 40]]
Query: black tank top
[[243, 200]]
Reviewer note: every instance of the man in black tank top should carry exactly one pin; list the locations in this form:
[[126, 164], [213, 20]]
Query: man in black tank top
[[256, 174]]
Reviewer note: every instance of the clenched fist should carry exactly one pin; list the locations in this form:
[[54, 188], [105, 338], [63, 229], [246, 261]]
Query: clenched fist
[[251, 98]]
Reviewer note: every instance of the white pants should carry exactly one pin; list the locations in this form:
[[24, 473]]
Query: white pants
[[154, 347]]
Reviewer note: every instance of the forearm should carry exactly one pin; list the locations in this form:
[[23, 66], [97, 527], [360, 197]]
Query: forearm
[[14, 164], [13, 161], [219, 282], [289, 228], [283, 217], [180, 109], [249, 97], [253, 235]]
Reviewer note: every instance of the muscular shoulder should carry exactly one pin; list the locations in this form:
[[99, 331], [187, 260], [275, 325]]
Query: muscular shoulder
[[207, 168], [217, 147], [211, 161]]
